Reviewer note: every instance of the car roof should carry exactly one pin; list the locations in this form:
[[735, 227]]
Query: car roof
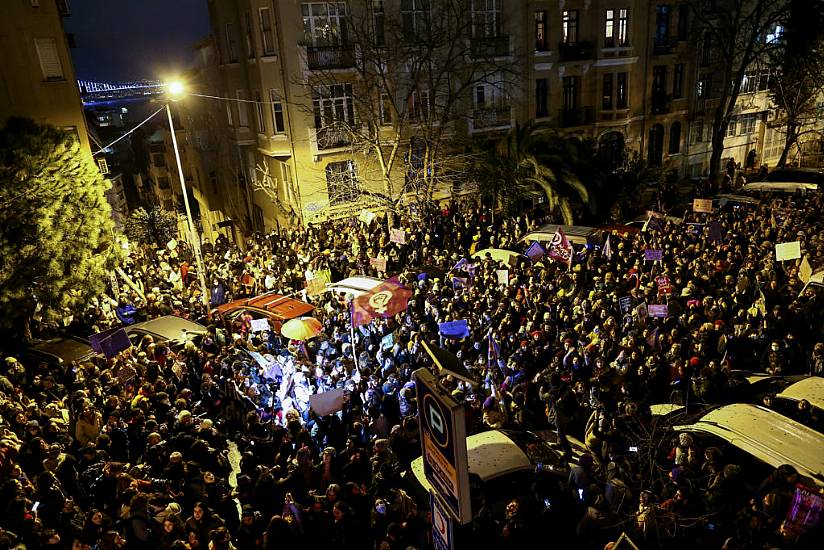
[[766, 435], [492, 454], [811, 389], [782, 186], [743, 199], [67, 348], [361, 284], [168, 327], [575, 233], [279, 306]]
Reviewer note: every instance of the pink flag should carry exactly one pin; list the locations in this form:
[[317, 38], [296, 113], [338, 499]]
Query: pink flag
[[559, 248], [385, 300]]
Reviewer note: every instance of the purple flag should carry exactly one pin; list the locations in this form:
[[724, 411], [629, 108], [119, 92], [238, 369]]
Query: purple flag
[[535, 251]]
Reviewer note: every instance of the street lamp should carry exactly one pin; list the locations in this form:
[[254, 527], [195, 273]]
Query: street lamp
[[175, 91]]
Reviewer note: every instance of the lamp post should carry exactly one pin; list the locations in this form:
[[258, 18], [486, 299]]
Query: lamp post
[[194, 240]]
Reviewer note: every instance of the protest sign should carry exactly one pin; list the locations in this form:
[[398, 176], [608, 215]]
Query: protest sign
[[388, 341], [657, 310], [788, 251], [653, 255], [329, 402], [366, 216], [626, 303], [702, 205], [503, 276], [805, 271], [664, 286], [397, 236], [641, 311], [260, 325], [378, 263], [171, 245]]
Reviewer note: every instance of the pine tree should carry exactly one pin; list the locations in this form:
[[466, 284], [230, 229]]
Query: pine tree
[[56, 231]]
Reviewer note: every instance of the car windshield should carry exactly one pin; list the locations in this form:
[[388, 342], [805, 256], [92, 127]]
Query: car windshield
[[536, 449]]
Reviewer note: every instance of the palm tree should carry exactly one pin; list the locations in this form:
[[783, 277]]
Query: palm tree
[[531, 157]]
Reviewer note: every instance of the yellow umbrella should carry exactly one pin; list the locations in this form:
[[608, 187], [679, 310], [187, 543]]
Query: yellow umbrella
[[301, 329]]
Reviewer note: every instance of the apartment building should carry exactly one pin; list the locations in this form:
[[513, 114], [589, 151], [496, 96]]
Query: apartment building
[[629, 74], [36, 68]]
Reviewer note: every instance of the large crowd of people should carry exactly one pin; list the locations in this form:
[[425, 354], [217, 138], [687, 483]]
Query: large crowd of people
[[211, 444]]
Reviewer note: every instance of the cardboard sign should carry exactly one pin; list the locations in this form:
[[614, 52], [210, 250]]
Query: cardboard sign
[[788, 251], [329, 402], [503, 276], [642, 311], [658, 310], [702, 205], [366, 216], [397, 236], [378, 263], [260, 325], [653, 255], [805, 271], [664, 286]]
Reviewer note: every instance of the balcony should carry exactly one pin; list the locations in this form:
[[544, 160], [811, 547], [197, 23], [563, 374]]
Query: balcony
[[664, 46], [576, 51], [576, 117], [705, 104], [660, 103], [329, 57], [492, 117], [490, 47], [333, 136]]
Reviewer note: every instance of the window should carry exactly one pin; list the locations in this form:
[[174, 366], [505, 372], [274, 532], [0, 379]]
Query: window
[[159, 160], [749, 83], [541, 98], [609, 29], [163, 183], [231, 45], [491, 97], [569, 26], [747, 125], [698, 131], [486, 18], [335, 105], [675, 138], [570, 92], [606, 102], [775, 34], [324, 23], [267, 36], [731, 128], [659, 80], [541, 38], [623, 26], [277, 113], [415, 162], [247, 30], [678, 81], [764, 81], [242, 109], [662, 21], [386, 109], [418, 105], [415, 19], [378, 20], [703, 87], [621, 91], [341, 182], [49, 58], [683, 21], [228, 110], [261, 122]]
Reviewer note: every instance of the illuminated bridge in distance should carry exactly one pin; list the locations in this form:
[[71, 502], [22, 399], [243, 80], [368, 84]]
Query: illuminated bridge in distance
[[93, 92]]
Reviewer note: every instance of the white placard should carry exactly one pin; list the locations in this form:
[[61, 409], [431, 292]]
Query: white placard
[[503, 276], [327, 402], [260, 325], [788, 251]]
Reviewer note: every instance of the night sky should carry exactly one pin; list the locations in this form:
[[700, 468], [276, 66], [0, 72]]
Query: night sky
[[133, 39]]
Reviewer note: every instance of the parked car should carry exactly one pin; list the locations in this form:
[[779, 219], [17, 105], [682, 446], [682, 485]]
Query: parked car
[[790, 180], [58, 351], [576, 234], [803, 175], [354, 286], [274, 307], [761, 438], [733, 200], [809, 389], [167, 329], [505, 462]]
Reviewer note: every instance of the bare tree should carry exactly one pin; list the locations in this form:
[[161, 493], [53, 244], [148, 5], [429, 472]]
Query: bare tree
[[414, 79], [734, 36]]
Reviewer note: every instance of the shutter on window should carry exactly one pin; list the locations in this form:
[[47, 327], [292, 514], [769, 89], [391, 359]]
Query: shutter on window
[[49, 58]]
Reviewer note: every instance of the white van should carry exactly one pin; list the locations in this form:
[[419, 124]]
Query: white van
[[765, 435]]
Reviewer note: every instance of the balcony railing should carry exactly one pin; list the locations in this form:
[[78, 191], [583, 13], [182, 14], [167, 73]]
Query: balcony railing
[[576, 51], [576, 117], [334, 136], [329, 57], [660, 103], [664, 46], [492, 117], [490, 46]]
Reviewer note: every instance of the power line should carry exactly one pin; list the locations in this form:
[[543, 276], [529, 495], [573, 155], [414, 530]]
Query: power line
[[129, 132]]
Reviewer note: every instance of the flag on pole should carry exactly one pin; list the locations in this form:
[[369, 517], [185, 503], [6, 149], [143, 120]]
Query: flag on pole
[[535, 251], [607, 250], [559, 248], [385, 300], [461, 263], [494, 353]]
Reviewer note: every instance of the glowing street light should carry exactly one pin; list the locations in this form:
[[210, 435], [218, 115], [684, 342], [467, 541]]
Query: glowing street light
[[176, 88]]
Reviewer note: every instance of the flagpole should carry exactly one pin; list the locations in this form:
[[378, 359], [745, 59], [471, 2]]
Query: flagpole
[[352, 334]]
